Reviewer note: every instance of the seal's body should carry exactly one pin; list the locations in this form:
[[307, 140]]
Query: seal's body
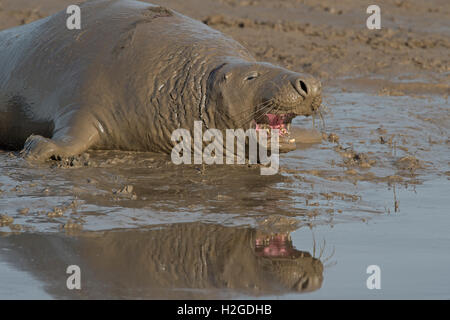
[[133, 74]]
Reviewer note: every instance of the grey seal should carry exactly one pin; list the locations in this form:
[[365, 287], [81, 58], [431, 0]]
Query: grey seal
[[133, 74]]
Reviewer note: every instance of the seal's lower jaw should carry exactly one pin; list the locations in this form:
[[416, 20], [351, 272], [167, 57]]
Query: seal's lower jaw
[[281, 122]]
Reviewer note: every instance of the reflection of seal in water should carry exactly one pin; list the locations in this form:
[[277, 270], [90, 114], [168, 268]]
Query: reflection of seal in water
[[155, 263], [133, 74]]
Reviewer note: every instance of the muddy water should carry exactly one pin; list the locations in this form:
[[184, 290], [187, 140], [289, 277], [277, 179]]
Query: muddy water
[[373, 191]]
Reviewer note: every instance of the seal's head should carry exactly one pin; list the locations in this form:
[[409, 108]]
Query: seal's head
[[263, 96], [294, 269]]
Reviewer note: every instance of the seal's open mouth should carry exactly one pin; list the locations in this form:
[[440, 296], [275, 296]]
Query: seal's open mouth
[[282, 122], [274, 246]]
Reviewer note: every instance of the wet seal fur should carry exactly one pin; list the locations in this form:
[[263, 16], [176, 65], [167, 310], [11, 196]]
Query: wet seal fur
[[133, 74]]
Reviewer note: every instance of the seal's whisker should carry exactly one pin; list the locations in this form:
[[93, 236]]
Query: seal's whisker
[[323, 120], [262, 115], [256, 115], [324, 108], [325, 260], [257, 108], [263, 104], [329, 99], [266, 109], [256, 119]]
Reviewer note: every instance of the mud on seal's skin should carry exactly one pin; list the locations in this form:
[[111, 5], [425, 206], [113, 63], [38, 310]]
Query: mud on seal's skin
[[131, 76]]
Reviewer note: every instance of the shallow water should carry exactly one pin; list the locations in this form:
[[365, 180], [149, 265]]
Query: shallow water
[[377, 196]]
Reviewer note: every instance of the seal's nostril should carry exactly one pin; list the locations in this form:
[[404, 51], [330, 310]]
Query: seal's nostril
[[302, 85], [307, 86]]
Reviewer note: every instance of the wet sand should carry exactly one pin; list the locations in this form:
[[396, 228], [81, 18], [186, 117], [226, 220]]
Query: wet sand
[[373, 190]]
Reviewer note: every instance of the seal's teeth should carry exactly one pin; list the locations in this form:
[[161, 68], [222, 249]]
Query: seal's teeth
[[281, 124]]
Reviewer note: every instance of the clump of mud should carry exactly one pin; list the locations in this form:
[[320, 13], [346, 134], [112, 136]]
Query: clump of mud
[[408, 163], [353, 158], [71, 162], [71, 226], [126, 192], [5, 220], [331, 137]]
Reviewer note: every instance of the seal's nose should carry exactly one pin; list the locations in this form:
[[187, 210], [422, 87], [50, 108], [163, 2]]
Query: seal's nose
[[308, 87]]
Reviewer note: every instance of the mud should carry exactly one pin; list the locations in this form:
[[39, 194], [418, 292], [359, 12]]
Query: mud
[[367, 186]]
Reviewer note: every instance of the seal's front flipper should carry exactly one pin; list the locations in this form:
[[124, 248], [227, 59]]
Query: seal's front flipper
[[67, 141], [39, 148]]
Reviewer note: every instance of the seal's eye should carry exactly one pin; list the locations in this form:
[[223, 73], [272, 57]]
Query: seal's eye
[[252, 76]]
